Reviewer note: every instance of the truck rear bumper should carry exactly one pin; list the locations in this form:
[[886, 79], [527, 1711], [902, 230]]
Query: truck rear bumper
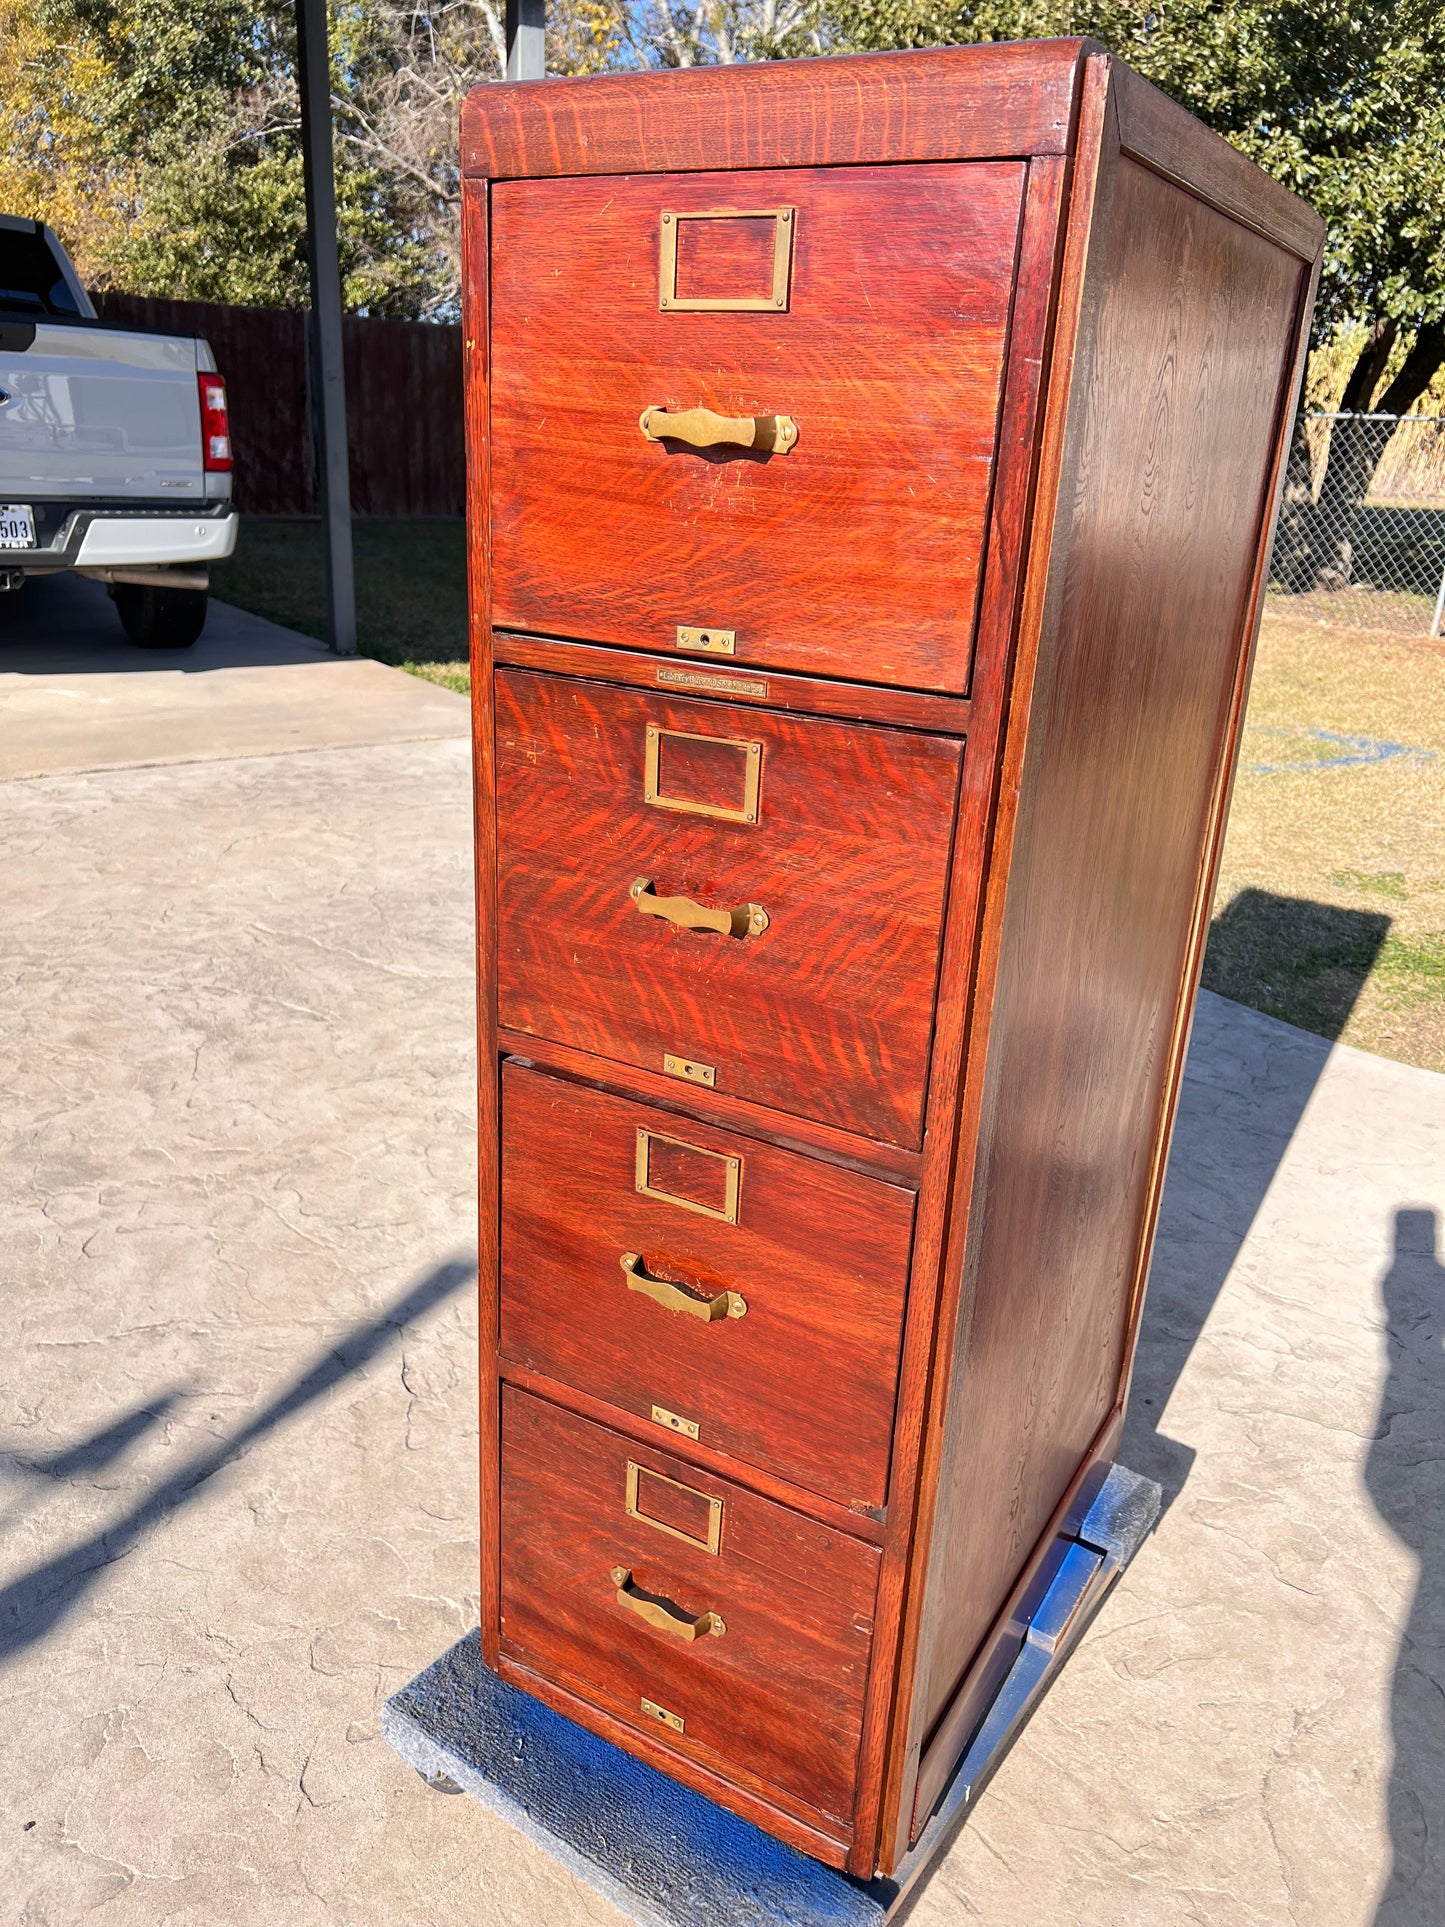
[[115, 535], [136, 541]]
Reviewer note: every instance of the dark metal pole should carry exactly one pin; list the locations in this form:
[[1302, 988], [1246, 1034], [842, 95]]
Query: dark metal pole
[[526, 39], [328, 371]]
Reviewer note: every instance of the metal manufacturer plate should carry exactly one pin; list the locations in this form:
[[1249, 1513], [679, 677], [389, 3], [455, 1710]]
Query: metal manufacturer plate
[[17, 526], [720, 685]]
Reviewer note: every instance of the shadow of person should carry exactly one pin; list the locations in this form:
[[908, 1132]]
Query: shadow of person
[[1405, 1474]]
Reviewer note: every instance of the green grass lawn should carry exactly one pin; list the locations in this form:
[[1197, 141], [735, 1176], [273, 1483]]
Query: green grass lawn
[[1331, 904], [411, 587]]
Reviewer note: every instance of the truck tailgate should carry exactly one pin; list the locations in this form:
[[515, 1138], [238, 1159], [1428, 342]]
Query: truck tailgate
[[96, 411]]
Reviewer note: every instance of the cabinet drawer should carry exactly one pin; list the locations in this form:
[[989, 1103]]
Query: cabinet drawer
[[777, 1692], [866, 305], [838, 834], [763, 1300]]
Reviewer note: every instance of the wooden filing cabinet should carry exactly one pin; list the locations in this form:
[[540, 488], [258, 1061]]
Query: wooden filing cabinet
[[872, 464]]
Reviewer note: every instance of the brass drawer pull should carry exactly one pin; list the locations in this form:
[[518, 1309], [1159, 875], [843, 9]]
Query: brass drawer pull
[[701, 428], [748, 920], [661, 1613], [727, 1304]]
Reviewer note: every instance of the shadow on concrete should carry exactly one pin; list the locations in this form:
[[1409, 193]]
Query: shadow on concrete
[[1216, 1185], [39, 1601], [65, 625], [101, 1449], [1405, 1474]]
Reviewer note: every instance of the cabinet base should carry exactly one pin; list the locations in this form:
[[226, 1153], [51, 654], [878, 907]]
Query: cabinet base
[[667, 1857]]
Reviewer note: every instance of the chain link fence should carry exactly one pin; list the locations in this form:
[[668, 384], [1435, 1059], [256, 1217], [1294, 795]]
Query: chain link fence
[[1361, 542]]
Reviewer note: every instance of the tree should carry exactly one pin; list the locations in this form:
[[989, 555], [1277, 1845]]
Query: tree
[[1342, 101], [162, 139]]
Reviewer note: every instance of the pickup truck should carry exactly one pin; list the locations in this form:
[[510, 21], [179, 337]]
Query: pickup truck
[[115, 447]]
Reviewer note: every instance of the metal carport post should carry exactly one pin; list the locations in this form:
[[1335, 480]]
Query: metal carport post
[[526, 43]]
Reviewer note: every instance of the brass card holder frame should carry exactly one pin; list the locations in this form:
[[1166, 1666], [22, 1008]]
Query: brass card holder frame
[[712, 1543], [785, 221], [732, 1176], [653, 793]]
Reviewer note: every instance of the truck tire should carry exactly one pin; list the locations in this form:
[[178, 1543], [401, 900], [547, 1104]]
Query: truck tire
[[160, 618]]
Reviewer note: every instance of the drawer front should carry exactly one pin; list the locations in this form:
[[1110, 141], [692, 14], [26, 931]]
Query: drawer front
[[749, 1292], [853, 551], [829, 842], [777, 1692]]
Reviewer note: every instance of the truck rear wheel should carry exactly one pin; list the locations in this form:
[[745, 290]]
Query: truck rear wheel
[[160, 618]]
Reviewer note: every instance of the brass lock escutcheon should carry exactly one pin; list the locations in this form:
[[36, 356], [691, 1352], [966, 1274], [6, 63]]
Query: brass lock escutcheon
[[662, 1613], [724, 1304], [748, 920], [701, 428]]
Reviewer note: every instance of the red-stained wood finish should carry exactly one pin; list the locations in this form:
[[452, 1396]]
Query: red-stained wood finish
[[775, 1698], [828, 1010], [946, 1064], [1192, 346], [803, 1380], [856, 552]]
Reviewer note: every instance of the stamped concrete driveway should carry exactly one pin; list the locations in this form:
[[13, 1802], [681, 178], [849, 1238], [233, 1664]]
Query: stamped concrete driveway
[[237, 1427]]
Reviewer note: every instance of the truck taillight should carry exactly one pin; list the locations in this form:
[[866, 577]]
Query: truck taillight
[[215, 425]]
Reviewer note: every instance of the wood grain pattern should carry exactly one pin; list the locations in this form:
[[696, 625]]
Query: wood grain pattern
[[775, 1813], [1173, 425], [829, 1011], [1156, 130], [715, 680], [856, 554], [891, 1751], [992, 1014], [805, 1382], [958, 103], [797, 1498], [778, 1697], [476, 344]]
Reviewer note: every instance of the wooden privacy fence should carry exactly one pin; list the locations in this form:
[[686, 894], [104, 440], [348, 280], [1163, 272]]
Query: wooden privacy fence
[[403, 396]]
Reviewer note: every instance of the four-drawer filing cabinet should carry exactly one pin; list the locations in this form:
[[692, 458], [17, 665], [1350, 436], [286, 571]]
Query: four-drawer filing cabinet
[[872, 465]]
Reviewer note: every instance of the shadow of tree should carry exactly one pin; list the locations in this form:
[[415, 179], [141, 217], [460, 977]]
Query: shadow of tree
[[37, 1602], [1405, 1474]]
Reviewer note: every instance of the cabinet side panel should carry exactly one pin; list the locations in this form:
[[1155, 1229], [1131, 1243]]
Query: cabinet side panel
[[1177, 398]]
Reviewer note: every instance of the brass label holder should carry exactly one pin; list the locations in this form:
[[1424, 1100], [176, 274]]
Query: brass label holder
[[732, 1176], [653, 792], [784, 221], [712, 1543]]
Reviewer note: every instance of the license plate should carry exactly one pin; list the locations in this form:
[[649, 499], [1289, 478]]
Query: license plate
[[17, 526]]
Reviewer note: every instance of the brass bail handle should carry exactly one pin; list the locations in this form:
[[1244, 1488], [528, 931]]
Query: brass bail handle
[[701, 428], [661, 1613], [726, 1304], [748, 920]]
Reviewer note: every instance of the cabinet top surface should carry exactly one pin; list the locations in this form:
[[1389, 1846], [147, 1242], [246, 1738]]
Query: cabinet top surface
[[948, 103]]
